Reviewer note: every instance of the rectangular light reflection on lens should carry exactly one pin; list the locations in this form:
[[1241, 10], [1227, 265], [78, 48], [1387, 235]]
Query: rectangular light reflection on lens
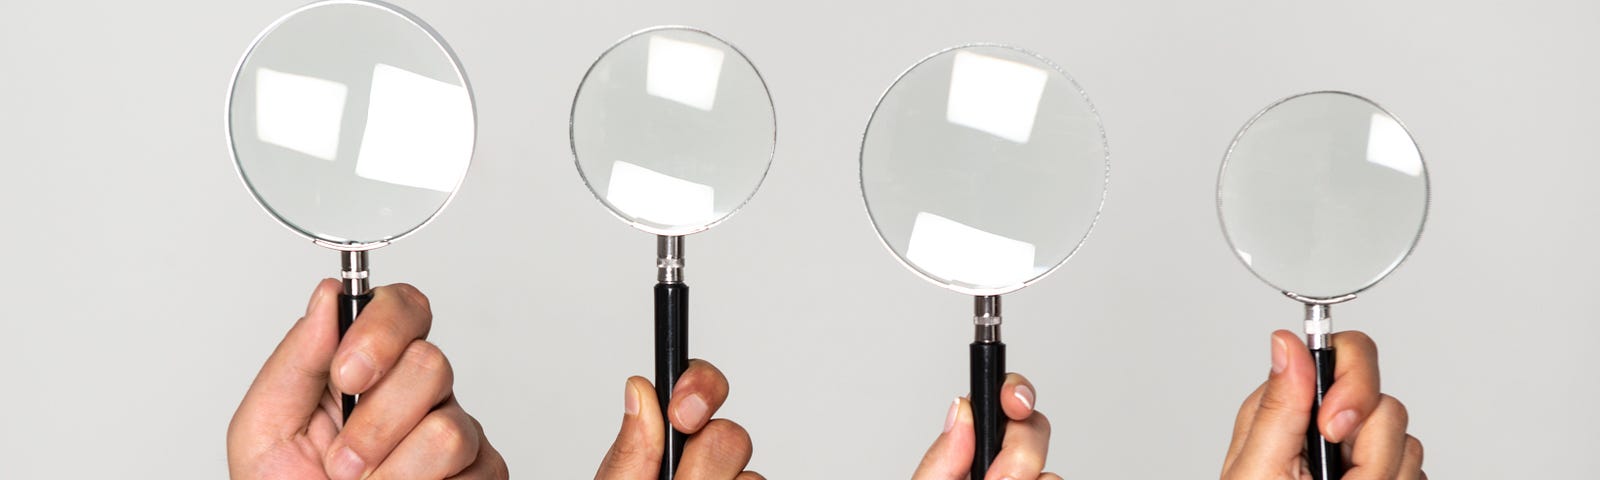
[[650, 195], [1389, 145], [418, 130], [956, 251], [996, 96], [683, 72], [299, 113]]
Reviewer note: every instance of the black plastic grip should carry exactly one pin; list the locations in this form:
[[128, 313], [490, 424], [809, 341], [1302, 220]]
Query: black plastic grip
[[349, 308], [988, 420], [672, 358], [1322, 456]]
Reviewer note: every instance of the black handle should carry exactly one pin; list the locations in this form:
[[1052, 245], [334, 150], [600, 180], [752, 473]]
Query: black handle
[[1323, 456], [672, 358], [988, 420], [349, 307]]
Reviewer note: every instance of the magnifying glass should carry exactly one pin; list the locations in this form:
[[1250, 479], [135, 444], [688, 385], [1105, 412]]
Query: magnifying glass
[[673, 131], [1322, 195], [352, 124], [984, 168]]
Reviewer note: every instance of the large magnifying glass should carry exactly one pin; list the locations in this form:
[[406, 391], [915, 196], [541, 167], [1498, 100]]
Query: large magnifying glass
[[984, 168], [352, 124], [1322, 195], [673, 131]]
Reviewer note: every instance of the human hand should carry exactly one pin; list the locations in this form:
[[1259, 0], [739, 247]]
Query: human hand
[[1269, 433], [717, 448], [1022, 452], [408, 424]]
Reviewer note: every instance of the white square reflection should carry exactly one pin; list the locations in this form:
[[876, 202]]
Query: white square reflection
[[418, 129], [683, 72], [299, 113], [650, 195], [1000, 97], [956, 251], [1389, 145]]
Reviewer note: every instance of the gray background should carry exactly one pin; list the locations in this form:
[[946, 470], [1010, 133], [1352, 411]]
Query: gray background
[[143, 288]]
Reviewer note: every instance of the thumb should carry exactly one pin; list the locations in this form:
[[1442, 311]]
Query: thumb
[[950, 456], [291, 385], [1278, 431], [636, 454]]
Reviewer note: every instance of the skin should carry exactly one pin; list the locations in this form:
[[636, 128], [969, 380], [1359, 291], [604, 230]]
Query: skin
[[1022, 451], [1269, 433], [408, 425], [717, 448]]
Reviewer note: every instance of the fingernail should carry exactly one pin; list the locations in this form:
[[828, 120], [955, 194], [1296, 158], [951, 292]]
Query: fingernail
[[1342, 425], [1025, 395], [346, 465], [950, 418], [358, 372], [692, 413], [1280, 355], [630, 401]]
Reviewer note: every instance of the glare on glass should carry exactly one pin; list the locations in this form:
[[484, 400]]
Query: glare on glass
[[351, 123], [673, 130], [1323, 194], [984, 168]]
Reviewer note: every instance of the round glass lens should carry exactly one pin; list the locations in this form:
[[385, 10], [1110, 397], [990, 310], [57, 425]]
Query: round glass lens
[[984, 168], [351, 122], [673, 130], [1323, 194]]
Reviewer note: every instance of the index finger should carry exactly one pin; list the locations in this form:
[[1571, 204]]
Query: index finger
[[396, 315], [1356, 387]]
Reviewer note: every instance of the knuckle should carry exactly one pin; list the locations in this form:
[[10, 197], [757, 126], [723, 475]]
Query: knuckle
[[414, 297], [1397, 409], [447, 435], [728, 438], [426, 356], [1413, 447]]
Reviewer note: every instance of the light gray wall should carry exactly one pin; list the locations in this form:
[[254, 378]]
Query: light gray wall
[[142, 287]]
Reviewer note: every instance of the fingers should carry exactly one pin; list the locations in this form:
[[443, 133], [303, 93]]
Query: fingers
[[1024, 449], [636, 453], [1411, 464], [698, 394], [488, 466], [1049, 476], [381, 333], [749, 476], [1017, 397], [1379, 445], [1355, 389], [389, 411], [294, 379], [1241, 426], [721, 449], [443, 444], [950, 456], [1276, 434]]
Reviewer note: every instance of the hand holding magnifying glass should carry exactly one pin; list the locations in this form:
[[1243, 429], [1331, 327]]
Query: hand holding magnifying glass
[[673, 131], [352, 124], [983, 169], [1321, 196]]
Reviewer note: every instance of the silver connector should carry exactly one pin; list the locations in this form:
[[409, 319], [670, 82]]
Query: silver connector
[[669, 259], [986, 319], [353, 272], [1319, 326]]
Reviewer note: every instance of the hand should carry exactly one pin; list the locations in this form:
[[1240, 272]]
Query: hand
[[408, 424], [1269, 433], [717, 449], [1022, 452]]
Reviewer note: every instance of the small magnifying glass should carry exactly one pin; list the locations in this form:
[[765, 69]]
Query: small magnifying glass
[[351, 123], [984, 168], [1322, 195], [673, 131]]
